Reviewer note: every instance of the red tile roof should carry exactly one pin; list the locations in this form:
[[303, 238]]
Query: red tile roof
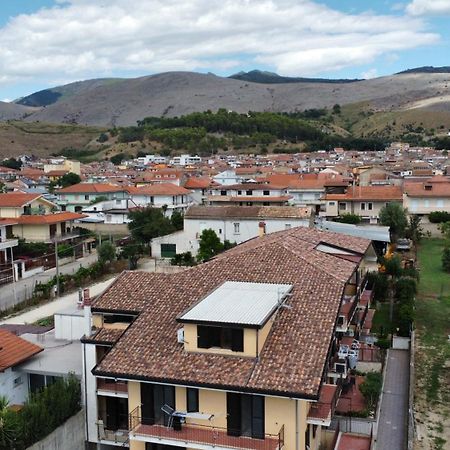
[[295, 353], [439, 187], [49, 218], [198, 183], [96, 188], [15, 350], [16, 199]]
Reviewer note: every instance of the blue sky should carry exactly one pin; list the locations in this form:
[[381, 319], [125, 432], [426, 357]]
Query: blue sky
[[44, 43]]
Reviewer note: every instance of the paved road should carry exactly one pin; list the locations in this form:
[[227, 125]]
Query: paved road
[[24, 288], [59, 304], [392, 425]]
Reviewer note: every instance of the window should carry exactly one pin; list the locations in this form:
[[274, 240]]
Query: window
[[341, 320], [363, 206], [117, 318], [239, 192], [266, 192], [249, 192], [192, 400], [236, 228], [86, 197], [342, 206], [370, 206], [331, 203], [219, 337], [18, 381], [223, 192], [287, 226], [245, 415]]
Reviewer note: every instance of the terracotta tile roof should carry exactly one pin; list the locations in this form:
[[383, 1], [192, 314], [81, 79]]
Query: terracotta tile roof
[[105, 336], [96, 188], [295, 352], [250, 212], [49, 218], [431, 188], [158, 189], [16, 199], [198, 183], [248, 198], [376, 193], [14, 350], [4, 222]]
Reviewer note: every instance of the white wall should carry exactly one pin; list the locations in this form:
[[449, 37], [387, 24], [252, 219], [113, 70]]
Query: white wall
[[16, 394], [89, 386], [69, 327]]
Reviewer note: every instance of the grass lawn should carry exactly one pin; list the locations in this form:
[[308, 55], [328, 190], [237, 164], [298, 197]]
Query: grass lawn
[[433, 348]]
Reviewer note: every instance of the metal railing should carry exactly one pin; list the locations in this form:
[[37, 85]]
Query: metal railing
[[117, 387], [202, 434]]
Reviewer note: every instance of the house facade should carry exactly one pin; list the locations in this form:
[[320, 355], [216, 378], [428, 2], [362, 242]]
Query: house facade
[[235, 224], [364, 201], [238, 352], [76, 197]]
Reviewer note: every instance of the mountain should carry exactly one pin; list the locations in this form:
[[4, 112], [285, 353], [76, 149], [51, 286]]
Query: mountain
[[427, 69], [11, 111], [47, 97], [120, 102], [259, 76]]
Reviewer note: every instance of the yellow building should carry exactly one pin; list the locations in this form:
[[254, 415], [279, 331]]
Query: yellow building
[[234, 353]]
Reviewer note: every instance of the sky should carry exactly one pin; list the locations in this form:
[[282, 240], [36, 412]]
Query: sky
[[45, 43]]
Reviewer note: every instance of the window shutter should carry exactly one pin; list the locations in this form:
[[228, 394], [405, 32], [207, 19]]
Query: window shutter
[[192, 400], [233, 414], [147, 400], [203, 337], [258, 417]]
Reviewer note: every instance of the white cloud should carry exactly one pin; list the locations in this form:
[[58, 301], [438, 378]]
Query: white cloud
[[6, 100], [84, 38], [428, 7], [371, 73]]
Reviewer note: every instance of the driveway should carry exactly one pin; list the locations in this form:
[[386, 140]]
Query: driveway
[[393, 420]]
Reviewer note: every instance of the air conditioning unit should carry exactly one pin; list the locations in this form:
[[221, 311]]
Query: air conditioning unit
[[180, 336], [341, 368]]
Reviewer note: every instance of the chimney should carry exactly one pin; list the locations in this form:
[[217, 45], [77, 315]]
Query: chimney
[[87, 313], [262, 228]]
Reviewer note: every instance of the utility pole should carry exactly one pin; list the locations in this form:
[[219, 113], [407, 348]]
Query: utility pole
[[57, 266]]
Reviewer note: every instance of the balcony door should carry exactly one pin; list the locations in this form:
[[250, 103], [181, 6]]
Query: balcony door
[[153, 398], [245, 415]]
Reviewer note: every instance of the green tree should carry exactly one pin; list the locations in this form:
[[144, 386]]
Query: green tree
[[117, 159], [9, 425], [415, 229], [69, 179], [177, 220], [336, 109], [106, 252], [371, 388], [11, 163], [133, 252], [183, 259], [147, 224], [102, 138], [393, 215], [209, 245]]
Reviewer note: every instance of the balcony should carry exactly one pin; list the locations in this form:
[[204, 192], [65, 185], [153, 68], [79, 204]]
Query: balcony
[[111, 388], [321, 413], [198, 436], [8, 243]]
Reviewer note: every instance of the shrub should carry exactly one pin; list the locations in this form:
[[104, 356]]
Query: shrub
[[183, 259], [102, 138], [439, 216], [446, 259], [353, 219], [371, 388], [106, 252]]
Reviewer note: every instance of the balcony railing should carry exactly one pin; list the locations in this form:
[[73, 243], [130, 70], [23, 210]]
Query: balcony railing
[[194, 433], [113, 387]]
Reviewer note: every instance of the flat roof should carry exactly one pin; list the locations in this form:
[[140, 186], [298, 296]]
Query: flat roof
[[238, 303]]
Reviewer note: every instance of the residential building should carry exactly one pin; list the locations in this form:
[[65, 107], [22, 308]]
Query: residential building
[[76, 197], [364, 201], [235, 224], [248, 194], [163, 195], [17, 204], [109, 211], [228, 178], [63, 165], [424, 197], [238, 352], [185, 160]]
